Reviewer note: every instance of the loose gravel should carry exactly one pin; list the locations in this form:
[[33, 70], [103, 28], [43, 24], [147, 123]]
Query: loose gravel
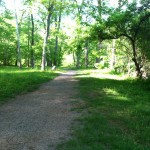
[[41, 119]]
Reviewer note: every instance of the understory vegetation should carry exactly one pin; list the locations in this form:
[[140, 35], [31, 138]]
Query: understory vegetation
[[115, 113], [14, 81]]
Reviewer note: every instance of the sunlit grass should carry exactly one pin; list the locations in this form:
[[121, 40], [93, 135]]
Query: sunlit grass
[[14, 81], [115, 113], [105, 74]]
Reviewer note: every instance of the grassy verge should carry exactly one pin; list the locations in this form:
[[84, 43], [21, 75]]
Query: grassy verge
[[14, 81], [117, 114]]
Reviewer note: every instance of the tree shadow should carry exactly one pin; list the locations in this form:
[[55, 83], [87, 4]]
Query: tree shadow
[[123, 103]]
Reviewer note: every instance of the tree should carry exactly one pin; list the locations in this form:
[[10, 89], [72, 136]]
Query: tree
[[18, 37], [50, 8], [125, 23], [32, 42], [58, 16]]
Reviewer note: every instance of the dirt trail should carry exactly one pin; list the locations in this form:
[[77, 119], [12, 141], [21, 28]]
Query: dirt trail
[[39, 120]]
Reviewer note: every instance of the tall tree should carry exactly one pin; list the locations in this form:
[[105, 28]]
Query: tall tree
[[100, 19], [18, 37], [47, 31], [78, 32], [32, 42], [57, 28]]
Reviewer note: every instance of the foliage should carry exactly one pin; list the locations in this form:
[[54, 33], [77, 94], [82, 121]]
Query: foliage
[[88, 38], [7, 40], [128, 23]]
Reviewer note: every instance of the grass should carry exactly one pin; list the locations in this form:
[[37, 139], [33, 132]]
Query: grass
[[116, 114], [14, 81]]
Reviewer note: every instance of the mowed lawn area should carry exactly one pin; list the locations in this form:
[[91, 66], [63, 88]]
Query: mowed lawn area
[[115, 113], [14, 81]]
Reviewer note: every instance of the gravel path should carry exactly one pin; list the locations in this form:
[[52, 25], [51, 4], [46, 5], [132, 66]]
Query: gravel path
[[39, 120]]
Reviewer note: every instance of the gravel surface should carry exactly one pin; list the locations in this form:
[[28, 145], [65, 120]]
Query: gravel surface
[[41, 119]]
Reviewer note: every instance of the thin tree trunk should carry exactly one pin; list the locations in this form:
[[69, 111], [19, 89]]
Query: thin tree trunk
[[56, 42], [18, 42], [129, 66], [50, 8], [99, 7], [32, 43], [78, 56], [98, 49], [56, 52], [113, 50], [137, 65], [5, 57], [28, 42], [74, 58], [57, 27], [78, 61], [100, 16], [59, 55], [87, 54]]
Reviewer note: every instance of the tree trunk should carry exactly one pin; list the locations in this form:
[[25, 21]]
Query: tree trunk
[[27, 62], [56, 42], [100, 7], [100, 16], [60, 56], [50, 8], [56, 52], [18, 42], [5, 57], [98, 49], [57, 27], [87, 54], [74, 58], [137, 65], [113, 50], [32, 43], [78, 56], [78, 62], [48, 58]]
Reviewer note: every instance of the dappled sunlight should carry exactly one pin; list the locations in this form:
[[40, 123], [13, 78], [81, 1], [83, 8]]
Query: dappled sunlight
[[110, 91], [107, 76], [118, 106], [115, 94], [103, 74]]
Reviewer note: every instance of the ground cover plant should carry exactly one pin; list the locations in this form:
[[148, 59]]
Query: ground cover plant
[[14, 81], [115, 114]]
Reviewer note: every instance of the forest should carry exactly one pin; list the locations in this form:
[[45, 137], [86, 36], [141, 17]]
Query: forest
[[80, 33], [74, 74]]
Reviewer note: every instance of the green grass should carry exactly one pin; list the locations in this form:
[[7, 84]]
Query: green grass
[[116, 114], [14, 81]]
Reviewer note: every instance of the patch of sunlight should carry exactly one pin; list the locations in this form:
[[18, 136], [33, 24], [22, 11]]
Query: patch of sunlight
[[123, 113], [110, 91], [103, 74], [107, 76], [83, 75], [113, 92], [122, 98]]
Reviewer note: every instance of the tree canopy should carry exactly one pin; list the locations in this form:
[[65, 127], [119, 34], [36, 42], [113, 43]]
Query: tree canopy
[[94, 33]]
